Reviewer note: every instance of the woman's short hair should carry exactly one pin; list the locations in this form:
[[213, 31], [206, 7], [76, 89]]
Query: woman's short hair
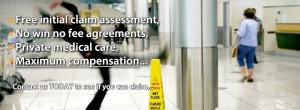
[[249, 13]]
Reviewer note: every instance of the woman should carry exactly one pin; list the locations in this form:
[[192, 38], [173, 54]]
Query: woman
[[119, 39], [116, 38], [95, 104], [247, 43], [123, 28]]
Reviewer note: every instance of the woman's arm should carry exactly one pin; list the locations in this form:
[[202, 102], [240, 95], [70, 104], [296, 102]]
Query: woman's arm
[[242, 30], [64, 4], [71, 8], [44, 13]]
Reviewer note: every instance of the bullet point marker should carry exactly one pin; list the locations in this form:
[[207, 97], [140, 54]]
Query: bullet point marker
[[10, 60], [10, 47], [10, 20], [10, 33]]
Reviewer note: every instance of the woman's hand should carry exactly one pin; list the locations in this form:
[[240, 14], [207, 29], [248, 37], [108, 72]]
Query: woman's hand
[[55, 3]]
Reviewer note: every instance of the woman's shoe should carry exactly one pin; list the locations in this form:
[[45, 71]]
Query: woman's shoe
[[244, 78], [250, 80]]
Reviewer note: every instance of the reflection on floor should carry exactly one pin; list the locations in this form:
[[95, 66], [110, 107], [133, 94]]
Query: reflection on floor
[[276, 83], [276, 86]]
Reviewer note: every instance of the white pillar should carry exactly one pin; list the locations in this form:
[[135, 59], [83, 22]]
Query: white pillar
[[142, 11], [197, 54], [129, 4], [226, 24], [164, 14]]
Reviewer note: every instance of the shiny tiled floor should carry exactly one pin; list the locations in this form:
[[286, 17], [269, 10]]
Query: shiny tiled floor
[[276, 86]]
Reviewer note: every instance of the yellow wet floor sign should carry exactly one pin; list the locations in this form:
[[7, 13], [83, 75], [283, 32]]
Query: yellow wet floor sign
[[156, 94]]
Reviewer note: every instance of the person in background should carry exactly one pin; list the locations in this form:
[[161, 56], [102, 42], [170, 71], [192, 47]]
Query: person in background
[[108, 39], [259, 30], [123, 28], [119, 39], [247, 43]]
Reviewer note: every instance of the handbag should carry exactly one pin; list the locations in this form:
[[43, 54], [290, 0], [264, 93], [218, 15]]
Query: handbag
[[234, 49]]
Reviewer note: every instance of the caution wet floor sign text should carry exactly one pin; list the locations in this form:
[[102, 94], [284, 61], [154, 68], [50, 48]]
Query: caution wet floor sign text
[[156, 95]]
